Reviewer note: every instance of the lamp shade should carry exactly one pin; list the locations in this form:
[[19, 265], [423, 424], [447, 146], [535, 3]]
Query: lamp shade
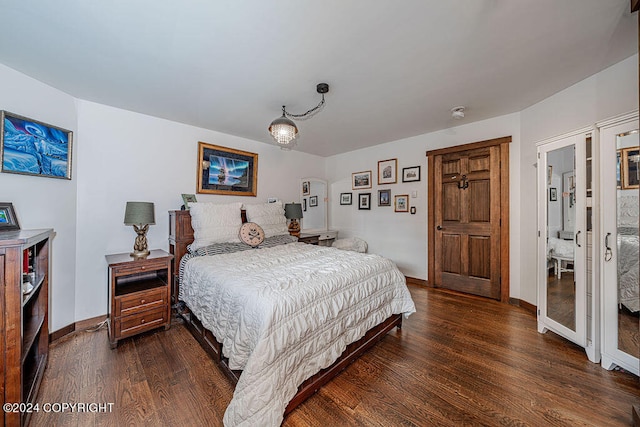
[[283, 130], [293, 211], [139, 213]]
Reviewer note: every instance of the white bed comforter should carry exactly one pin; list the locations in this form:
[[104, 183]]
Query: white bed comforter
[[284, 313]]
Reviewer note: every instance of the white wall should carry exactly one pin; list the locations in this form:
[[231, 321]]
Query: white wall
[[402, 237], [127, 156], [611, 92], [45, 202]]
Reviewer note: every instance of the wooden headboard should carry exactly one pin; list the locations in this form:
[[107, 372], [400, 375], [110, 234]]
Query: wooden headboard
[[180, 236]]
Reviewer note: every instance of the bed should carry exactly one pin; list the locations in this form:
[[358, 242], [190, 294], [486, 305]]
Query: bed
[[284, 318], [628, 249]]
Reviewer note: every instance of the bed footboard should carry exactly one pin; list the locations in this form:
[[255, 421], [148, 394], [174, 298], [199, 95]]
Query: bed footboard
[[354, 350]]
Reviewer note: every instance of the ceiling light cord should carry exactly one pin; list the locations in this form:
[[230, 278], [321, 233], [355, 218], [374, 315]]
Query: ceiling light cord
[[305, 115]]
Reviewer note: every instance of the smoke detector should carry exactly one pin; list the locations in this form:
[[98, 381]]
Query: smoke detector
[[457, 113]]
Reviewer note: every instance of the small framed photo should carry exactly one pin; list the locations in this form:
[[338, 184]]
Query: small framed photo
[[345, 198], [411, 174], [304, 204], [364, 201], [361, 180], [188, 198], [313, 201], [413, 210], [384, 197], [388, 171], [29, 147], [553, 194], [8, 218], [306, 188], [401, 203]]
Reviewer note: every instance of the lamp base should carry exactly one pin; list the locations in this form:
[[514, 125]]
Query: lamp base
[[139, 254], [294, 228]]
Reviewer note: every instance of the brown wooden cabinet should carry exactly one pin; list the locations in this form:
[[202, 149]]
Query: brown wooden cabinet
[[24, 299], [139, 294]]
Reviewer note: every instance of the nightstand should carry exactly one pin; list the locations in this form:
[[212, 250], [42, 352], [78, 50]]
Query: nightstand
[[139, 294], [312, 239]]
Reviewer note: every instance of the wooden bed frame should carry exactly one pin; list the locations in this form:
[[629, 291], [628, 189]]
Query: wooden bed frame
[[181, 235]]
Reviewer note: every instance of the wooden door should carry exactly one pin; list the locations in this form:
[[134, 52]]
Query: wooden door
[[468, 248]]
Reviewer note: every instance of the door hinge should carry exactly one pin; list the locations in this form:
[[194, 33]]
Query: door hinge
[[538, 312], [538, 233]]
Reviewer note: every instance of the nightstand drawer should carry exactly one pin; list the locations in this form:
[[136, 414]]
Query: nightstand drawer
[[328, 235], [140, 301], [140, 267], [309, 239], [131, 325]]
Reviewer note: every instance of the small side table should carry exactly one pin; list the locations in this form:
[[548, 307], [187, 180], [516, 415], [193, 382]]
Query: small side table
[[139, 294], [312, 239]]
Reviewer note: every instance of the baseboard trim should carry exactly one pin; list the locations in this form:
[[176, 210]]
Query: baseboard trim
[[76, 327], [415, 281], [524, 304]]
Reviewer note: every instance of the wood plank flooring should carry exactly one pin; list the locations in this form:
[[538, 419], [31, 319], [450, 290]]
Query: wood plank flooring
[[457, 361]]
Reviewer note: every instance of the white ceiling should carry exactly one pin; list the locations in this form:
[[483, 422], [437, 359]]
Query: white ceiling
[[395, 68]]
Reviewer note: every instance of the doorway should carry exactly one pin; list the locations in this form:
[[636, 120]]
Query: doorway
[[468, 221]]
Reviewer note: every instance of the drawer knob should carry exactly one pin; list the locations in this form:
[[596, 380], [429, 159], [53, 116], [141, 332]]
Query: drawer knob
[[143, 267], [142, 321], [142, 301]]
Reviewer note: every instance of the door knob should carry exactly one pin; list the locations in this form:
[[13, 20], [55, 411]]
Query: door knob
[[439, 227]]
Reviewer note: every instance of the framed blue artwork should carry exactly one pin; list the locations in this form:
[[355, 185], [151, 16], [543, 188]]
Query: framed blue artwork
[[30, 147], [223, 170]]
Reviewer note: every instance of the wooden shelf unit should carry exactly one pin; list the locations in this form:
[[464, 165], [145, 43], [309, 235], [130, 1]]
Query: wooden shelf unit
[[25, 320]]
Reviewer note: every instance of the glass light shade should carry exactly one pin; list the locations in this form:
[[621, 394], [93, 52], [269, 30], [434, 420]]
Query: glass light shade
[[283, 130], [293, 211], [139, 213]]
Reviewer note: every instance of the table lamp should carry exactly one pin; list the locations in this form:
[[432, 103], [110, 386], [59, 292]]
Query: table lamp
[[293, 211], [140, 215]]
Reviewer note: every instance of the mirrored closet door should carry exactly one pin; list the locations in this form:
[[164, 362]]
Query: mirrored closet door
[[620, 176], [562, 237]]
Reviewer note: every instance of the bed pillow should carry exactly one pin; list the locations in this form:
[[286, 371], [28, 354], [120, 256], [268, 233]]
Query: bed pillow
[[214, 223], [270, 216]]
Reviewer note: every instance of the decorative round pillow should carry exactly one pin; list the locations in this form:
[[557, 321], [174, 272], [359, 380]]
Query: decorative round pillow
[[251, 234]]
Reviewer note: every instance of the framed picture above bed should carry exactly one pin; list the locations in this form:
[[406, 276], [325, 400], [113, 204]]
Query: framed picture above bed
[[226, 171], [29, 147]]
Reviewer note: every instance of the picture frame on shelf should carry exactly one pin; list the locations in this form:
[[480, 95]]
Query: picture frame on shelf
[[8, 218], [188, 198], [313, 201], [384, 197], [361, 180], [401, 203], [30, 147], [411, 174], [364, 201], [345, 198], [387, 171], [226, 171], [629, 162]]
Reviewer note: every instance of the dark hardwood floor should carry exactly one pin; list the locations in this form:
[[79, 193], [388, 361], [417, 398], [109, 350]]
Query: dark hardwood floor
[[457, 361]]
